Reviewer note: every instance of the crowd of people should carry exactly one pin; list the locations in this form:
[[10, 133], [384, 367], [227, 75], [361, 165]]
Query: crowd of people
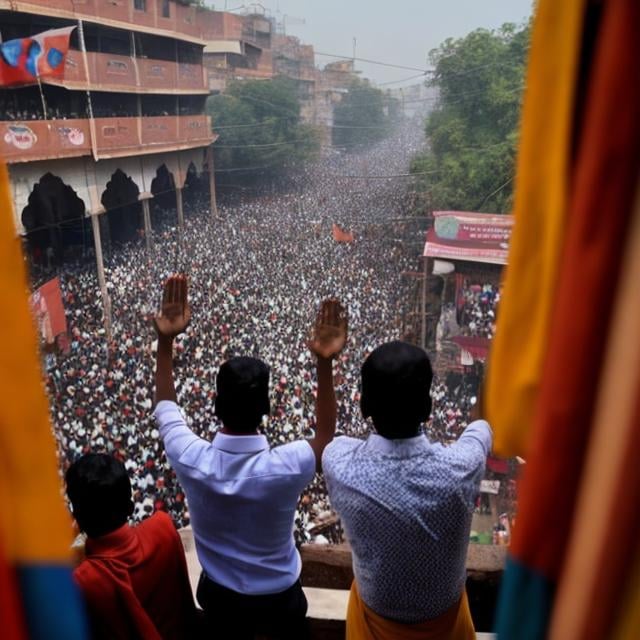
[[257, 275], [477, 313]]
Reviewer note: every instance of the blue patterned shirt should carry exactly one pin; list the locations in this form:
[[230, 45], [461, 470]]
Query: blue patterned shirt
[[406, 507]]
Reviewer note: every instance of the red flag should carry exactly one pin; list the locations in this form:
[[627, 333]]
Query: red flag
[[24, 60], [340, 235]]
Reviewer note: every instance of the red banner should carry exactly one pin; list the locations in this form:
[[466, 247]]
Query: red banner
[[340, 235], [48, 310], [25, 60]]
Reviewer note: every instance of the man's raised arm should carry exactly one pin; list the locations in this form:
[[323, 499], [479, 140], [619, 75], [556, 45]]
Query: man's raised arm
[[327, 341], [172, 320]]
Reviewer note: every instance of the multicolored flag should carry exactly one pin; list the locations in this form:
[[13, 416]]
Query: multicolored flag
[[26, 60], [38, 599]]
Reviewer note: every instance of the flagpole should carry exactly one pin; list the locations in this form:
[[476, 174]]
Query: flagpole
[[44, 102]]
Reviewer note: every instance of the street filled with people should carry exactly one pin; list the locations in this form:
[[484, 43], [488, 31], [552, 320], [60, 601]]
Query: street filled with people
[[257, 274]]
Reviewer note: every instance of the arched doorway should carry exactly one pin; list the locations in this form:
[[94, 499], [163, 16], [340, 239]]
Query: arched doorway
[[54, 222], [193, 193], [164, 210], [123, 209]]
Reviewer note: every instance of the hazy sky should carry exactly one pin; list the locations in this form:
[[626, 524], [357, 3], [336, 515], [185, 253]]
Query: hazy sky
[[400, 32]]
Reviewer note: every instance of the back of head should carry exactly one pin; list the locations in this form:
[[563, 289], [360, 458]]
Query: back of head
[[396, 379], [242, 394], [99, 489]]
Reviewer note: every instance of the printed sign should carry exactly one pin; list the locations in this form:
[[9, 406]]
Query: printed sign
[[74, 135], [20, 136]]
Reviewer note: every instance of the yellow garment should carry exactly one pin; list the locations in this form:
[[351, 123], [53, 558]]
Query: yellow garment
[[629, 614], [35, 525], [364, 624], [541, 197]]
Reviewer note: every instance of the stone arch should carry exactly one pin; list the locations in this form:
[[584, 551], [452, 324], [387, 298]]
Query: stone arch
[[193, 191], [54, 221], [123, 209], [164, 204]]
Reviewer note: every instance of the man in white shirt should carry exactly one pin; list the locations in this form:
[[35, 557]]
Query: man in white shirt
[[242, 495], [406, 505]]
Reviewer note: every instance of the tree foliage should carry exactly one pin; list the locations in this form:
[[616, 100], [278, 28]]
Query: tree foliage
[[473, 131], [258, 122], [365, 115]]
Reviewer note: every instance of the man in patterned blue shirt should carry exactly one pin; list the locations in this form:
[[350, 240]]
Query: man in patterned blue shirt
[[406, 505]]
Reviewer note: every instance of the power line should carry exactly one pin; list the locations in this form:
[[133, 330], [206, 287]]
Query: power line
[[367, 60]]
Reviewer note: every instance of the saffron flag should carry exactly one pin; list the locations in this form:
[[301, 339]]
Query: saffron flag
[[26, 60], [569, 420], [540, 212], [340, 234], [35, 528]]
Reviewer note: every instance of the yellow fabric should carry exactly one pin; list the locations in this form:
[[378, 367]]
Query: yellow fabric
[[364, 624], [35, 524], [541, 198], [629, 619]]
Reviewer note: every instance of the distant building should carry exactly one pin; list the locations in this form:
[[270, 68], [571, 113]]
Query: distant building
[[237, 47], [105, 152], [416, 100]]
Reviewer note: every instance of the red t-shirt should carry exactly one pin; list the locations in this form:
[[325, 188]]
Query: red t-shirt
[[135, 583]]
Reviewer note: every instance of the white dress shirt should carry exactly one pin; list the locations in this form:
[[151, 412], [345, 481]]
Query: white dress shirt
[[406, 507], [242, 497]]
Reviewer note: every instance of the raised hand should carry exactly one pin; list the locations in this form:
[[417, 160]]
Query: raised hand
[[329, 334], [173, 318]]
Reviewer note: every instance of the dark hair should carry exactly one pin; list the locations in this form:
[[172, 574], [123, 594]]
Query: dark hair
[[99, 489], [396, 379], [242, 393]]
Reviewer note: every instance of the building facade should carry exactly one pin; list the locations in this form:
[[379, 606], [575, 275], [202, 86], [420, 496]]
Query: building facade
[[126, 123]]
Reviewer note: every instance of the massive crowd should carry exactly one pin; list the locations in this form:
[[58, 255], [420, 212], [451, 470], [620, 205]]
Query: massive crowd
[[257, 275], [477, 314]]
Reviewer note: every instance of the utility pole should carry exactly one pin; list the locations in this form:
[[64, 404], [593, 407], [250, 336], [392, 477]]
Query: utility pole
[[212, 182], [423, 303], [106, 301]]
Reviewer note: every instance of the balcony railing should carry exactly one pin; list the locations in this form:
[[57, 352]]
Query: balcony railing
[[114, 137], [184, 22], [111, 72]]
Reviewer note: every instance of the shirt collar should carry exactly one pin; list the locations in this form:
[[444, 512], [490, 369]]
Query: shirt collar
[[240, 444], [401, 448], [111, 544]]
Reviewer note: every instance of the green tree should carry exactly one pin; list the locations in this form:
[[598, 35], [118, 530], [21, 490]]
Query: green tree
[[259, 128], [365, 115], [473, 132]]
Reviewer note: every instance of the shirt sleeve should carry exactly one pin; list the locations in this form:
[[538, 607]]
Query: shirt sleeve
[[477, 435], [175, 433], [300, 458]]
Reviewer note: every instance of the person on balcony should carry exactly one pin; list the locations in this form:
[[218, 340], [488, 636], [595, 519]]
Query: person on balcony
[[242, 494], [134, 580], [406, 505]]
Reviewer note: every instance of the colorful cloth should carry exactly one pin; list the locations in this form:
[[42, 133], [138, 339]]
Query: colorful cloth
[[35, 563], [365, 624], [556, 551]]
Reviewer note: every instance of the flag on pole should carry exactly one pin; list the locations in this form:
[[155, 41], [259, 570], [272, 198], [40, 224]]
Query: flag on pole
[[24, 61], [38, 599]]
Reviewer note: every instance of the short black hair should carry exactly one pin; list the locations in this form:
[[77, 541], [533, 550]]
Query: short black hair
[[396, 380], [99, 489], [242, 393]]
